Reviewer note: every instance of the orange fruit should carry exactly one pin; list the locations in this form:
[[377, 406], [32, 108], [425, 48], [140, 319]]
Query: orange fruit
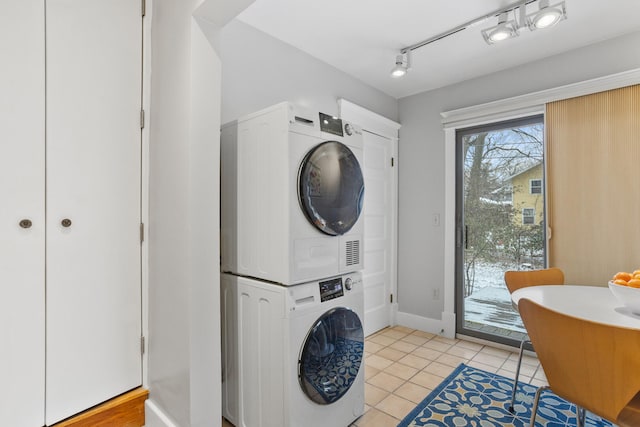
[[620, 282], [623, 275], [634, 283]]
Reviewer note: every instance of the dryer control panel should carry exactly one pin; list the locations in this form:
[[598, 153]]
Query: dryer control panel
[[331, 289]]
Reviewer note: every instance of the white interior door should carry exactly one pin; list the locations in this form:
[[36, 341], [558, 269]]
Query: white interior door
[[93, 182], [22, 198], [378, 223]]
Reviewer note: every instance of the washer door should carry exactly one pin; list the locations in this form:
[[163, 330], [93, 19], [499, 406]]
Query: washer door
[[331, 188], [331, 356]]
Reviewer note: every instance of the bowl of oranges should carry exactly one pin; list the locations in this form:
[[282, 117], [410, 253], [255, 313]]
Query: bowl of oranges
[[626, 288]]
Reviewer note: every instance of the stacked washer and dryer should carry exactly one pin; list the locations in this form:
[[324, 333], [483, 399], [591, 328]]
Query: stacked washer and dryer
[[292, 247]]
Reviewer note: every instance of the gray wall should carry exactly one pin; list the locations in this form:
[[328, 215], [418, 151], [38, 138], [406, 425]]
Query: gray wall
[[259, 70], [421, 157]]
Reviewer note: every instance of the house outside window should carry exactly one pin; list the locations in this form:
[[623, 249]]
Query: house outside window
[[535, 186], [527, 191], [528, 216]]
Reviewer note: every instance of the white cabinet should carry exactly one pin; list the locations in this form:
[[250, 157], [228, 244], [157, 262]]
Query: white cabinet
[[70, 159], [22, 169]]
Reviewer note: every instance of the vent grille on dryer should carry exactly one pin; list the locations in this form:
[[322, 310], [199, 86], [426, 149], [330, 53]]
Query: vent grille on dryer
[[353, 252]]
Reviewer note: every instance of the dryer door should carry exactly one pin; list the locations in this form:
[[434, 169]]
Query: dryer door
[[331, 356], [331, 188]]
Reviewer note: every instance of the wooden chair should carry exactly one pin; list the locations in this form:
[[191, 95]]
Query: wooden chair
[[593, 365], [521, 279]]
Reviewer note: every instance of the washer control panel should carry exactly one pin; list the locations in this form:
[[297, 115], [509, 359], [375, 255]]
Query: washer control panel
[[330, 124], [338, 286]]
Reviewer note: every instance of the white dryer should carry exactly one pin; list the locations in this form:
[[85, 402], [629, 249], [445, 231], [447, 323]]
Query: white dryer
[[292, 356], [291, 196]]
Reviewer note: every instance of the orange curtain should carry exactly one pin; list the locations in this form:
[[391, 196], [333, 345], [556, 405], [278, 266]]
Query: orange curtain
[[593, 184]]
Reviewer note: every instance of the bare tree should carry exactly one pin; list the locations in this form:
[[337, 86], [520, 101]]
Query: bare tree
[[490, 160]]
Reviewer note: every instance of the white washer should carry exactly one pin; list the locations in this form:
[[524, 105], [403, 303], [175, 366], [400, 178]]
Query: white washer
[[292, 356], [291, 196]]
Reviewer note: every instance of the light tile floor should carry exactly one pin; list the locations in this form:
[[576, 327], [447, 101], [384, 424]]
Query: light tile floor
[[403, 365]]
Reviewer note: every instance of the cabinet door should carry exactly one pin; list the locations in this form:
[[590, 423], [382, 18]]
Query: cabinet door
[[93, 182], [22, 198]]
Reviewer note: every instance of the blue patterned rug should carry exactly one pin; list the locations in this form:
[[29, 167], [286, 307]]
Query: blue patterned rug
[[476, 398]]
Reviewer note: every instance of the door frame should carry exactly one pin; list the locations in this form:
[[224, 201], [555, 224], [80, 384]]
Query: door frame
[[144, 186]]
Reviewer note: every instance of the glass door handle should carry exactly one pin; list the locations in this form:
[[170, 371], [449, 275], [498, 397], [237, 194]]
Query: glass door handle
[[466, 237]]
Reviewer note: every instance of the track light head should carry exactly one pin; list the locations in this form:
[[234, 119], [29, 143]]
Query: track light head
[[399, 70], [402, 67], [546, 16], [504, 30]]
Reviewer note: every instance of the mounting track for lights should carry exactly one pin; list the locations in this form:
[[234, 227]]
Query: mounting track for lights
[[545, 17]]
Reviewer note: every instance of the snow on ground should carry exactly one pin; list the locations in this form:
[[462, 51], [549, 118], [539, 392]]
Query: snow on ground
[[490, 302]]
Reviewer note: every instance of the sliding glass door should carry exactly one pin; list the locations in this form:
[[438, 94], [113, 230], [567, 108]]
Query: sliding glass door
[[500, 219]]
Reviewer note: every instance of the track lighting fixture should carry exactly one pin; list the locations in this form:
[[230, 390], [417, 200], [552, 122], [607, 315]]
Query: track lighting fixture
[[403, 65], [504, 30], [545, 17]]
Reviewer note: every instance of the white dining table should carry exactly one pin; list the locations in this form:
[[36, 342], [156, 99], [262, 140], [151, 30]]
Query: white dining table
[[595, 303]]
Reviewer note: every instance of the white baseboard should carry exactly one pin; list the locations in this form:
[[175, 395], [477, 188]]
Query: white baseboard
[[445, 327], [413, 321], [155, 417]]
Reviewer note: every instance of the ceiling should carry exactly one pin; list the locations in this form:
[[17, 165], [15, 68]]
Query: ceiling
[[363, 37]]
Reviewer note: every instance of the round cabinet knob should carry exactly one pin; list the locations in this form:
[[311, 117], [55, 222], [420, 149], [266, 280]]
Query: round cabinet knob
[[66, 222], [25, 223], [348, 283]]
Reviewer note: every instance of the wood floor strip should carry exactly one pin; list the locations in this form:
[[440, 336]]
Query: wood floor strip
[[126, 410]]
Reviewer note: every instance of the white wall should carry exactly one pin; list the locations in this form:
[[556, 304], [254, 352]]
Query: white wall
[[204, 231], [168, 119], [259, 70], [183, 372], [421, 158]]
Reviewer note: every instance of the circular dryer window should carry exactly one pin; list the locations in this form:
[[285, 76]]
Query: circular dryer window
[[331, 356], [331, 188]]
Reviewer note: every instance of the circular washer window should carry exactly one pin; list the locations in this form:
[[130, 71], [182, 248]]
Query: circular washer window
[[331, 356], [331, 188]]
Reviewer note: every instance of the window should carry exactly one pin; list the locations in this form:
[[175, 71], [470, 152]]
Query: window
[[535, 186], [528, 215]]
